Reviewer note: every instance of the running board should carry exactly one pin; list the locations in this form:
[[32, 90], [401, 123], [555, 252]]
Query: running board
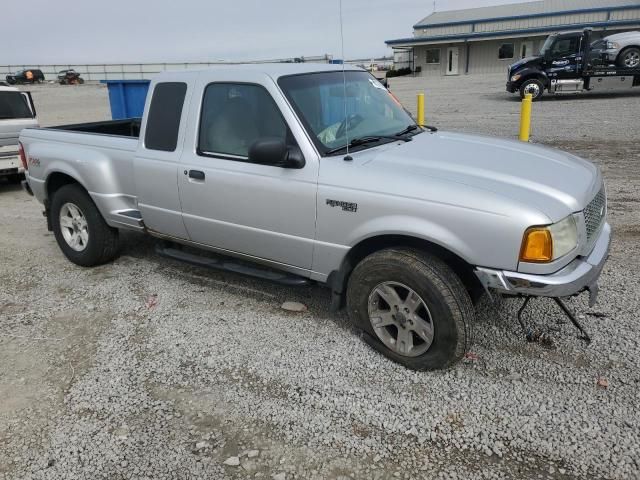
[[229, 265]]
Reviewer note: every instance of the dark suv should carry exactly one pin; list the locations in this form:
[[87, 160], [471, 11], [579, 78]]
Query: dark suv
[[30, 75]]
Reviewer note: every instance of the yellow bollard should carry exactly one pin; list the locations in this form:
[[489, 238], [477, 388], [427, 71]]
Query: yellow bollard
[[525, 118], [421, 109]]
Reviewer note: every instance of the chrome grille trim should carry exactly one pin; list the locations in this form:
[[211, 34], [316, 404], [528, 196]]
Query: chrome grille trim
[[594, 215]]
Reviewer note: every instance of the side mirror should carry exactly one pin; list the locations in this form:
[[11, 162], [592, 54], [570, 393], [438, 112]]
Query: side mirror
[[275, 152], [547, 55]]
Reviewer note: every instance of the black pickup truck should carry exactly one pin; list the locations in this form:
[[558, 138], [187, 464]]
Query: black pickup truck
[[569, 62]]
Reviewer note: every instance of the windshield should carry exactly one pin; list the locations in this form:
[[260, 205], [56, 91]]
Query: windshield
[[319, 100], [547, 44], [14, 105]]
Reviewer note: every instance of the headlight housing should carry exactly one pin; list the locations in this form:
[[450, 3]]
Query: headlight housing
[[516, 77], [612, 45], [548, 243]]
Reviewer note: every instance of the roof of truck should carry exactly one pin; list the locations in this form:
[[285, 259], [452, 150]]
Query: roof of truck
[[272, 69], [8, 89]]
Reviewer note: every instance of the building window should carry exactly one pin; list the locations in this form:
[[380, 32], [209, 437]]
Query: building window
[[506, 51], [433, 55]]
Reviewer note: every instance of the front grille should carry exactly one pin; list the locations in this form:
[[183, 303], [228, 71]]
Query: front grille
[[594, 214]]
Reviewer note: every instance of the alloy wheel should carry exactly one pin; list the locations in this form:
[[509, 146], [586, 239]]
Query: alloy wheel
[[401, 319]]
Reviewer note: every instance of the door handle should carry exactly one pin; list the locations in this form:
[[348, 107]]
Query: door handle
[[196, 174]]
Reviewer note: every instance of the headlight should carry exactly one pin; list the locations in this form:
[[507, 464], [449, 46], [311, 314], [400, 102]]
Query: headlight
[[544, 244], [516, 77], [612, 45]]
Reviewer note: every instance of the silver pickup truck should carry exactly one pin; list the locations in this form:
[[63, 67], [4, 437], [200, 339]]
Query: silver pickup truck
[[301, 172]]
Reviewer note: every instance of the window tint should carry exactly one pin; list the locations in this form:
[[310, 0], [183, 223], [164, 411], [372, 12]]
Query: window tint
[[14, 105], [164, 116], [565, 46], [506, 51], [234, 116], [433, 55]]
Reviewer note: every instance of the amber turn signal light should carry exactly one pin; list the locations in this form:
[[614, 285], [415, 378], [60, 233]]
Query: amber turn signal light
[[537, 245]]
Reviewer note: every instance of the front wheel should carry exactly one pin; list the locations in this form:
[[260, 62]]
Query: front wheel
[[532, 86], [81, 232], [411, 307]]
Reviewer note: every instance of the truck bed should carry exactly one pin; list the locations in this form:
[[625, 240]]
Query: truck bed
[[129, 127]]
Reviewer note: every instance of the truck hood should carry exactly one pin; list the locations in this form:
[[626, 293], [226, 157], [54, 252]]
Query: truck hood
[[553, 182], [532, 61]]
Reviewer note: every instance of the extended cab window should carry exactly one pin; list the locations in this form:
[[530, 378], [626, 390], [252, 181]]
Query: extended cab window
[[234, 116], [164, 116], [14, 105]]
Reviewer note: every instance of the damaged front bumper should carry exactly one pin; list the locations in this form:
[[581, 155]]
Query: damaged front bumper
[[579, 275]]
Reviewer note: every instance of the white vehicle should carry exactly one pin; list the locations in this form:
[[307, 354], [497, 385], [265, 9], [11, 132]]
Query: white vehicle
[[16, 112]]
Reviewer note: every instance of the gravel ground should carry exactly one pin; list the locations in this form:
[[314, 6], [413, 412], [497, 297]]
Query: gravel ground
[[147, 368]]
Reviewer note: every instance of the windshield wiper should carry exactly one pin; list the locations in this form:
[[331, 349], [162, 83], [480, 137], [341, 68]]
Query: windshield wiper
[[354, 143], [409, 129], [368, 139]]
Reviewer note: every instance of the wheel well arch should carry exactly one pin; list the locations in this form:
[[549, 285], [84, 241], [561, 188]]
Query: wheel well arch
[[338, 279], [627, 48], [57, 180], [536, 76]]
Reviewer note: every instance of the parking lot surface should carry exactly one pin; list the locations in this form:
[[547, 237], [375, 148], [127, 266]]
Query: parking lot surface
[[148, 368]]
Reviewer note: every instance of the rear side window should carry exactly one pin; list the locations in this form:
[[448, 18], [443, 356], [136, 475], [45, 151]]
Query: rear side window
[[14, 105], [164, 116]]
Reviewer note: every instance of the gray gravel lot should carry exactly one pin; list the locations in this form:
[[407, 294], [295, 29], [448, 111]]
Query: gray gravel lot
[[147, 368]]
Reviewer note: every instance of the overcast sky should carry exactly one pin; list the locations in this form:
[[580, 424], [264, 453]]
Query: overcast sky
[[123, 31]]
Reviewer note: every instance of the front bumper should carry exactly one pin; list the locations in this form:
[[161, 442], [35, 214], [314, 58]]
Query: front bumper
[[512, 87], [579, 275]]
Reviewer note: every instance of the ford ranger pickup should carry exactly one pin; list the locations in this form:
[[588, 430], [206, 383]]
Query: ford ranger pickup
[[302, 173]]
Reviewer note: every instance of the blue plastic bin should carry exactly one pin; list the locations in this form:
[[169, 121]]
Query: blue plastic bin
[[127, 97]]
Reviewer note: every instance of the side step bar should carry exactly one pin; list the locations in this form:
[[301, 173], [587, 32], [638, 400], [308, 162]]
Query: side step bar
[[228, 264]]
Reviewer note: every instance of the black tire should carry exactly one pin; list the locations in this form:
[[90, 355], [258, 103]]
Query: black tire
[[532, 86], [448, 303], [102, 244], [625, 54]]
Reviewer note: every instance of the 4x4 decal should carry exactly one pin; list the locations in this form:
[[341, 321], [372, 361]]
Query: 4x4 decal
[[346, 206]]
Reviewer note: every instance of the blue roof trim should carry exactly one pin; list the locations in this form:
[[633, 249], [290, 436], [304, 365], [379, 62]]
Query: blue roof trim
[[500, 33], [531, 15]]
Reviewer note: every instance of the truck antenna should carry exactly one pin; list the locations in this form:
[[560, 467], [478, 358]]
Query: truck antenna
[[344, 84]]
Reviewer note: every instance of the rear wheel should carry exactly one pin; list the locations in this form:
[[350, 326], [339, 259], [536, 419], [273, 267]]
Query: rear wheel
[[629, 58], [81, 232], [411, 307], [532, 86]]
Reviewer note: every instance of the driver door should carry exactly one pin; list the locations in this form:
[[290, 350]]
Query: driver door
[[565, 57], [258, 210]]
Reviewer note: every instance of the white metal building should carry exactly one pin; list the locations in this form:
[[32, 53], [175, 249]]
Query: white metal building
[[488, 39]]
